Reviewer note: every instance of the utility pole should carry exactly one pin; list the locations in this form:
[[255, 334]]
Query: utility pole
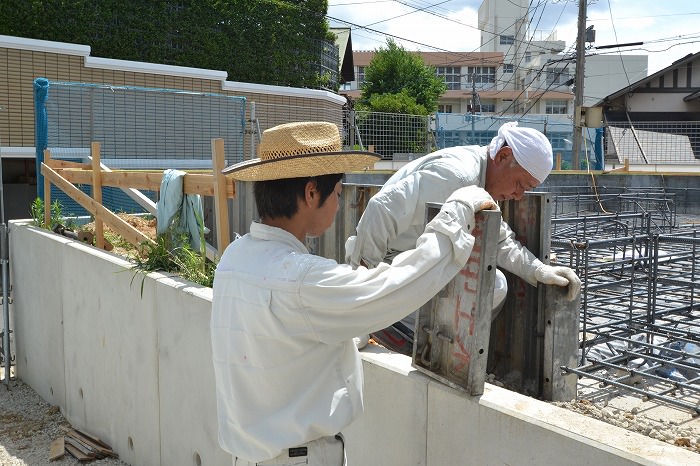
[[475, 96], [578, 80]]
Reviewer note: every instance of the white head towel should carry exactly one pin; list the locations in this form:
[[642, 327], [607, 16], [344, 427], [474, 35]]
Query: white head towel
[[531, 149]]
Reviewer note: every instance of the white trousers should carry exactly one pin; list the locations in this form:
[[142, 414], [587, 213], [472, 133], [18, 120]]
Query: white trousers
[[326, 451]]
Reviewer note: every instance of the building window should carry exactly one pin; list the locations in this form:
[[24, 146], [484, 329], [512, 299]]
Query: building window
[[556, 76], [360, 75], [556, 107], [451, 75], [482, 74], [445, 108], [507, 39], [508, 67], [488, 108]]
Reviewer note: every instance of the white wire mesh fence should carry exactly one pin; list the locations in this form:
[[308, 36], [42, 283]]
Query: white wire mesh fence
[[653, 142]]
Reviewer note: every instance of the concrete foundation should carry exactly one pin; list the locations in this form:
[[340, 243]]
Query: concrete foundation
[[128, 358]]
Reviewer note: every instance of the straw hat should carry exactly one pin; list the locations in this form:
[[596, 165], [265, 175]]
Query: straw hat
[[297, 150]]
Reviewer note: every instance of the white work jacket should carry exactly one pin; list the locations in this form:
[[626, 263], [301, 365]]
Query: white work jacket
[[283, 321], [395, 216]]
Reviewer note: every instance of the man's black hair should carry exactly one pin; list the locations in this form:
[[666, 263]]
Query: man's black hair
[[278, 198]]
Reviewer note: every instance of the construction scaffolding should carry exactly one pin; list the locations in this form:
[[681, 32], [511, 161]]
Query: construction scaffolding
[[640, 298]]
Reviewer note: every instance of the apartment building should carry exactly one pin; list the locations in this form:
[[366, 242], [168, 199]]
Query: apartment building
[[516, 70]]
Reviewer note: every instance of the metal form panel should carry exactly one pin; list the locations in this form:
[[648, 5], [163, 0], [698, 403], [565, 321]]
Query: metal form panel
[[332, 243], [561, 329], [537, 331], [452, 330]]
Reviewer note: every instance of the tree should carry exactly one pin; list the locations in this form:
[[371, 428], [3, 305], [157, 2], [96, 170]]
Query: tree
[[398, 92], [261, 41], [395, 71]]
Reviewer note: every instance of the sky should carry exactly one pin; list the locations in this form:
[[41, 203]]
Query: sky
[[669, 29]]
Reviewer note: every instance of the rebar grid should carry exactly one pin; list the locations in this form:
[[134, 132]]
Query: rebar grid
[[640, 297]]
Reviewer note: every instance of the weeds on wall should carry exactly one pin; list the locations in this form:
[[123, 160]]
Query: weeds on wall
[[36, 209], [170, 253]]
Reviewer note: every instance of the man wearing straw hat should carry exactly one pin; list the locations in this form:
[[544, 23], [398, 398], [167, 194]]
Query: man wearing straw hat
[[517, 160], [288, 374]]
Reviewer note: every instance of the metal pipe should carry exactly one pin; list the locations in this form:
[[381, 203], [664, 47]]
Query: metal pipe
[[4, 259]]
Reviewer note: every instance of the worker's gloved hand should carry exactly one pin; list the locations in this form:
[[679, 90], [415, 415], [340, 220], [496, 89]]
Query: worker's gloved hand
[[559, 276], [475, 197]]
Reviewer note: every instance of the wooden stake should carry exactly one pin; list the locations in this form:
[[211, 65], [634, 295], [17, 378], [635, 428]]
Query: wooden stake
[[220, 199], [47, 193], [97, 192]]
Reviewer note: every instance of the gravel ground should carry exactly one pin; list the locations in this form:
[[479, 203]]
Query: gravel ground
[[28, 425], [679, 433]]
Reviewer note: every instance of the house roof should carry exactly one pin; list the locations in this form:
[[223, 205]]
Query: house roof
[[676, 64], [343, 39]]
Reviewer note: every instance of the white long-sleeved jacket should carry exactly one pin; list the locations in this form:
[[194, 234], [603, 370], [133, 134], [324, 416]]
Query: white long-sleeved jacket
[[395, 216], [287, 370]]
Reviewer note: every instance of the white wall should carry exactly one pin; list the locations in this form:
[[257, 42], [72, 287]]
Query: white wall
[[134, 368], [607, 74]]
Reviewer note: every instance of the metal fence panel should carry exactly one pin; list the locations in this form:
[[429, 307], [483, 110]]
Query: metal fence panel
[[653, 142]]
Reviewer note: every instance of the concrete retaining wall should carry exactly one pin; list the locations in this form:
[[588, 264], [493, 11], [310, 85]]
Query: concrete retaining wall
[[129, 360]]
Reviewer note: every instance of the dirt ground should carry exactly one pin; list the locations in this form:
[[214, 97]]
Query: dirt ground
[[144, 224]]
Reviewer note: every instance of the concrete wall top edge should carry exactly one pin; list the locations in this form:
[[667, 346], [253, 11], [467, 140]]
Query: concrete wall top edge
[[160, 69], [235, 86], [153, 68], [175, 281], [168, 279], [36, 45]]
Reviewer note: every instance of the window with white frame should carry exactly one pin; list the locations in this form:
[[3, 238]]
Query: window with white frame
[[360, 75], [451, 75], [506, 39], [556, 107], [444, 108], [556, 76], [488, 108], [482, 74], [508, 68]]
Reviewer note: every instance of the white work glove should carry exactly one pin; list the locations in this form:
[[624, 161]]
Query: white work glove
[[349, 248], [559, 276], [475, 197]]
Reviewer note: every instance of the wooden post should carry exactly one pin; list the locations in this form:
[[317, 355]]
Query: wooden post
[[223, 236], [558, 165], [97, 192], [47, 192]]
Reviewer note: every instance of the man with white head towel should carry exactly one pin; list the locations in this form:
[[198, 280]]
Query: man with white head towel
[[517, 160]]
